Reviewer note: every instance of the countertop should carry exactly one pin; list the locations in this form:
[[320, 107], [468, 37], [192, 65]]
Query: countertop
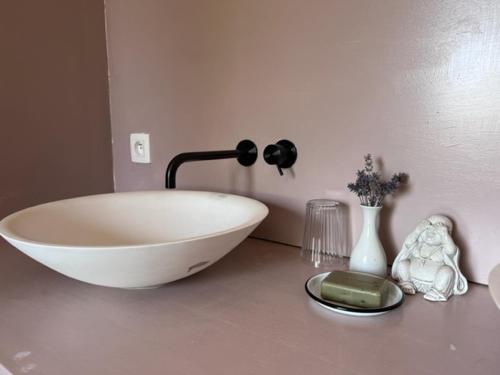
[[247, 314]]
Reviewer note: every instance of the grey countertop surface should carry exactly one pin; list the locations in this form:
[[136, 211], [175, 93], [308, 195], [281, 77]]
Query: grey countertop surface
[[247, 314]]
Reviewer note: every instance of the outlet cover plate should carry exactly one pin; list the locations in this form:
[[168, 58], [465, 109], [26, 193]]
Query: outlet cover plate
[[140, 148]]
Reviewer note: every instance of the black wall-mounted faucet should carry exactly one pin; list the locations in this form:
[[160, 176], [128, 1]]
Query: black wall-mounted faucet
[[283, 154], [245, 153]]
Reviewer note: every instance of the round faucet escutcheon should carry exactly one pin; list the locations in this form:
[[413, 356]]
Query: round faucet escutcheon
[[248, 152]]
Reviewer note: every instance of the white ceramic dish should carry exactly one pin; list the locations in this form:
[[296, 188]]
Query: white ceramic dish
[[494, 284], [394, 299], [136, 239]]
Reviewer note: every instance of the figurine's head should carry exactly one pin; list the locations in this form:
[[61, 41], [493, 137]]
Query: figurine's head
[[439, 227]]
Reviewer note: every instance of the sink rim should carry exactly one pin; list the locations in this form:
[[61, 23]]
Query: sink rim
[[8, 234]]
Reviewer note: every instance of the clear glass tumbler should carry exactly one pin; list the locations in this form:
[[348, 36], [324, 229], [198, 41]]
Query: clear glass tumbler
[[325, 239]]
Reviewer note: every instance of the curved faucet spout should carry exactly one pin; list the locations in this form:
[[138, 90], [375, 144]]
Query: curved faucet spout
[[245, 152]]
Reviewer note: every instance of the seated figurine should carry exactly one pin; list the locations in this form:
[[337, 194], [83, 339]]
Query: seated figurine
[[428, 261]]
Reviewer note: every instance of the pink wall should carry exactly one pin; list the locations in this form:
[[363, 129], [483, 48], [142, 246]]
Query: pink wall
[[416, 83], [54, 110]]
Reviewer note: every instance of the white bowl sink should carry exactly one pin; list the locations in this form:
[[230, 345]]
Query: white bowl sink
[[133, 240]]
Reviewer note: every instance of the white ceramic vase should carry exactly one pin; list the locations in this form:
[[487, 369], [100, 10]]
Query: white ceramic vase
[[368, 255]]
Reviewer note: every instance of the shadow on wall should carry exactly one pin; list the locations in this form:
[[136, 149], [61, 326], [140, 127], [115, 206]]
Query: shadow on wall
[[346, 210], [242, 181], [280, 213], [386, 232], [294, 218], [461, 242]]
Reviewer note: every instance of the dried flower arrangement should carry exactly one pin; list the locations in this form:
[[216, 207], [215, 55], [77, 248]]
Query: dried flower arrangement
[[369, 186]]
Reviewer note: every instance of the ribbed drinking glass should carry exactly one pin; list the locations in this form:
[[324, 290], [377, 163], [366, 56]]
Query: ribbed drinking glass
[[325, 239]]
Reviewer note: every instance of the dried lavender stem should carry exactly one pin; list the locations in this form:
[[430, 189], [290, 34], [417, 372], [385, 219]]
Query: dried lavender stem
[[369, 186]]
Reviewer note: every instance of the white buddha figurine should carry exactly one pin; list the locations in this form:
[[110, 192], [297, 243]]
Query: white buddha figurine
[[428, 261]]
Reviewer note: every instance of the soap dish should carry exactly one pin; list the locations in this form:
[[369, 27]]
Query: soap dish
[[395, 298]]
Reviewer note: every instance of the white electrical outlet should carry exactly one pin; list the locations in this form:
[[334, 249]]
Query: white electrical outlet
[[139, 148]]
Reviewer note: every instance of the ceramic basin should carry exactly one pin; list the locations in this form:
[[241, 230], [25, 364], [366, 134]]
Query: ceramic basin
[[136, 239]]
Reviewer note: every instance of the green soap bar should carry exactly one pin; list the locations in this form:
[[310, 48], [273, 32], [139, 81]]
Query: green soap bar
[[354, 288]]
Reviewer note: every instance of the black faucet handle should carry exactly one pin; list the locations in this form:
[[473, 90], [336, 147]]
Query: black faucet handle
[[276, 155], [283, 154]]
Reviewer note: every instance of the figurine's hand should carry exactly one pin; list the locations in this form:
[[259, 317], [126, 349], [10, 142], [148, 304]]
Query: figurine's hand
[[422, 226], [413, 237], [441, 229]]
